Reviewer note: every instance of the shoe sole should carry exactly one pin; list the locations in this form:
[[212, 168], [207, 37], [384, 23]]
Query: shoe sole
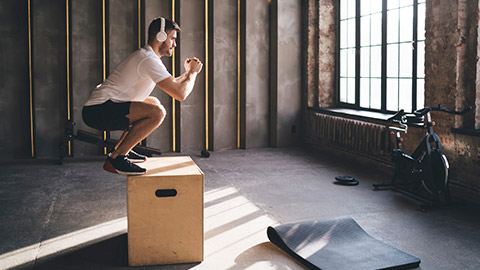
[[137, 160], [107, 166]]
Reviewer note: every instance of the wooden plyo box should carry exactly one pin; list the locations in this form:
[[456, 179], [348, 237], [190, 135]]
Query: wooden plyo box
[[165, 212]]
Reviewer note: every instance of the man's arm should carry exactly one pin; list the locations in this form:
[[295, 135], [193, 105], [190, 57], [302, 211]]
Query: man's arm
[[179, 88]]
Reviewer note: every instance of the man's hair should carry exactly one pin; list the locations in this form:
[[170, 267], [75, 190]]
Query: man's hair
[[155, 25]]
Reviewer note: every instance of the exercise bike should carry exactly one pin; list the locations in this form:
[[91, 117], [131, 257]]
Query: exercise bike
[[424, 173]]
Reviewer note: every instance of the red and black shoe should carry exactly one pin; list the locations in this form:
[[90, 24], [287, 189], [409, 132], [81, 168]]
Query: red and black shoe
[[122, 165]]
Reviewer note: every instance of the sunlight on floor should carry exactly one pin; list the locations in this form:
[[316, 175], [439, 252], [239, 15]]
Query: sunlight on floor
[[235, 234]]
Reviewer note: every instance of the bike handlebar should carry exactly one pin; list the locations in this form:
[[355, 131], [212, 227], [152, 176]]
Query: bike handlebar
[[440, 108], [401, 116]]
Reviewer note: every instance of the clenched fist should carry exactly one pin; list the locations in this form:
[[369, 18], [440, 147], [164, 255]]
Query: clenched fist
[[193, 65]]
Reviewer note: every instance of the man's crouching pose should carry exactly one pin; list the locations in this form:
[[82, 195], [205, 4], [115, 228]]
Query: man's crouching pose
[[122, 101]]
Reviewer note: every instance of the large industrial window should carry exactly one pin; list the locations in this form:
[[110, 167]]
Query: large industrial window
[[381, 54]]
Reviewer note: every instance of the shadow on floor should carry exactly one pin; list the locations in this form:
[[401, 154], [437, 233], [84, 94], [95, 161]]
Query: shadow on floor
[[108, 254]]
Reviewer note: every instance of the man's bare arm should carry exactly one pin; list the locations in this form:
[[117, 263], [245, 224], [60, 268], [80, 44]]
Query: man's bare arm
[[180, 87]]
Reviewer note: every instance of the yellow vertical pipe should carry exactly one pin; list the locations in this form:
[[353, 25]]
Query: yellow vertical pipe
[[174, 141], [139, 9], [139, 24], [30, 79], [104, 60], [68, 59], [238, 74], [68, 69], [104, 41], [206, 75]]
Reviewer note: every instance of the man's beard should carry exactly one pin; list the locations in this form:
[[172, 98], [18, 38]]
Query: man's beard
[[165, 50]]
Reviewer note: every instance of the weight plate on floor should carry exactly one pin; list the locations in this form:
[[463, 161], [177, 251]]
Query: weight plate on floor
[[345, 178], [346, 183]]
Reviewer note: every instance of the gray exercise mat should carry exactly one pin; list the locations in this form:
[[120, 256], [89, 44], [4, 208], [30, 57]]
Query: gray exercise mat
[[337, 244]]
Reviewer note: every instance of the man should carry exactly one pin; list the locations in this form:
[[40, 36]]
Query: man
[[122, 101]]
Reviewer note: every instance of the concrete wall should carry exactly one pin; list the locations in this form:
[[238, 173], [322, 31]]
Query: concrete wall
[[192, 21], [285, 104], [49, 49], [256, 74], [225, 75], [14, 80], [52, 88]]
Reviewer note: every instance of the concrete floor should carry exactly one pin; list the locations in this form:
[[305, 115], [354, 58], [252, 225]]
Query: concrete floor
[[74, 216]]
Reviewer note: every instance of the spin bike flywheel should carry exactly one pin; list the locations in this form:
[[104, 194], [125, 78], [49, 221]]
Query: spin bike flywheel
[[439, 172]]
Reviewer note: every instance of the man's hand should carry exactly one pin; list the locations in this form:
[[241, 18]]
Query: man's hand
[[193, 65], [179, 88]]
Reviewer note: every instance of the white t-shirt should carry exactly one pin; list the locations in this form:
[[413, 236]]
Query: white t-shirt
[[133, 80]]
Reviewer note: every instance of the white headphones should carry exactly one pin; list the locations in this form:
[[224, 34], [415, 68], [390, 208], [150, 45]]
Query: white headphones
[[162, 35]]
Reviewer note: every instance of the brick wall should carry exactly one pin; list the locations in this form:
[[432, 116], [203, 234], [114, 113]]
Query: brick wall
[[450, 79]]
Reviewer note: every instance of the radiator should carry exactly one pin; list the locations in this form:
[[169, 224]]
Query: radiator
[[368, 138]]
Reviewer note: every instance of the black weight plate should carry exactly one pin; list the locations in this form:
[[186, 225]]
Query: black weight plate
[[345, 178], [346, 183]]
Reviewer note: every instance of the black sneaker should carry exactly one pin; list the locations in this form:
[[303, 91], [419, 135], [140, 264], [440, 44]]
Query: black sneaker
[[136, 157], [122, 165]]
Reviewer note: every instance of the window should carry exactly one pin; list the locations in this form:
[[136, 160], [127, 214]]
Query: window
[[381, 54]]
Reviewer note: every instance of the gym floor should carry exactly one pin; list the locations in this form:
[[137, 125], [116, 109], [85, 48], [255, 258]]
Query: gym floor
[[73, 216]]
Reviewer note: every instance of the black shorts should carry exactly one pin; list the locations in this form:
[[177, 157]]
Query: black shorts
[[107, 116]]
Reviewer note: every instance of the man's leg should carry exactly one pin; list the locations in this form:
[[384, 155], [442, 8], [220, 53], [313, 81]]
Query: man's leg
[[121, 139], [144, 118], [132, 156], [152, 100]]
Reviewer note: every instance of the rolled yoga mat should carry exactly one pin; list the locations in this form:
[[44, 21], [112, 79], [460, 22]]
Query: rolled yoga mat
[[337, 244]]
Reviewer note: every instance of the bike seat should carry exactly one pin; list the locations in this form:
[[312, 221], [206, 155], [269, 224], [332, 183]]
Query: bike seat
[[406, 118], [414, 119]]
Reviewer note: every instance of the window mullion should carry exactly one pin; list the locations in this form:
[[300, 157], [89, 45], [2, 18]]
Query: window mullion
[[414, 61], [384, 56], [357, 54]]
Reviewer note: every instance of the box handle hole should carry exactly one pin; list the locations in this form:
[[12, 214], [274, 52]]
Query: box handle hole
[[165, 193]]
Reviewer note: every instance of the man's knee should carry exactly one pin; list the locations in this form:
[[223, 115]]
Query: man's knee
[[159, 113], [163, 111], [146, 110], [158, 110], [153, 100]]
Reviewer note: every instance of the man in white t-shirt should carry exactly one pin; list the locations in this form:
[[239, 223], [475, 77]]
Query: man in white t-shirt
[[123, 101]]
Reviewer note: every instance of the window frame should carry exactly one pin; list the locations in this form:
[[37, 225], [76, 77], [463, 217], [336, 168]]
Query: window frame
[[414, 77]]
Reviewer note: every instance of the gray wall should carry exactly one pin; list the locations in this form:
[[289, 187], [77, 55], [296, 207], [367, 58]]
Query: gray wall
[[288, 101], [225, 75], [285, 73], [49, 70], [257, 74], [14, 83], [192, 22], [49, 49]]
